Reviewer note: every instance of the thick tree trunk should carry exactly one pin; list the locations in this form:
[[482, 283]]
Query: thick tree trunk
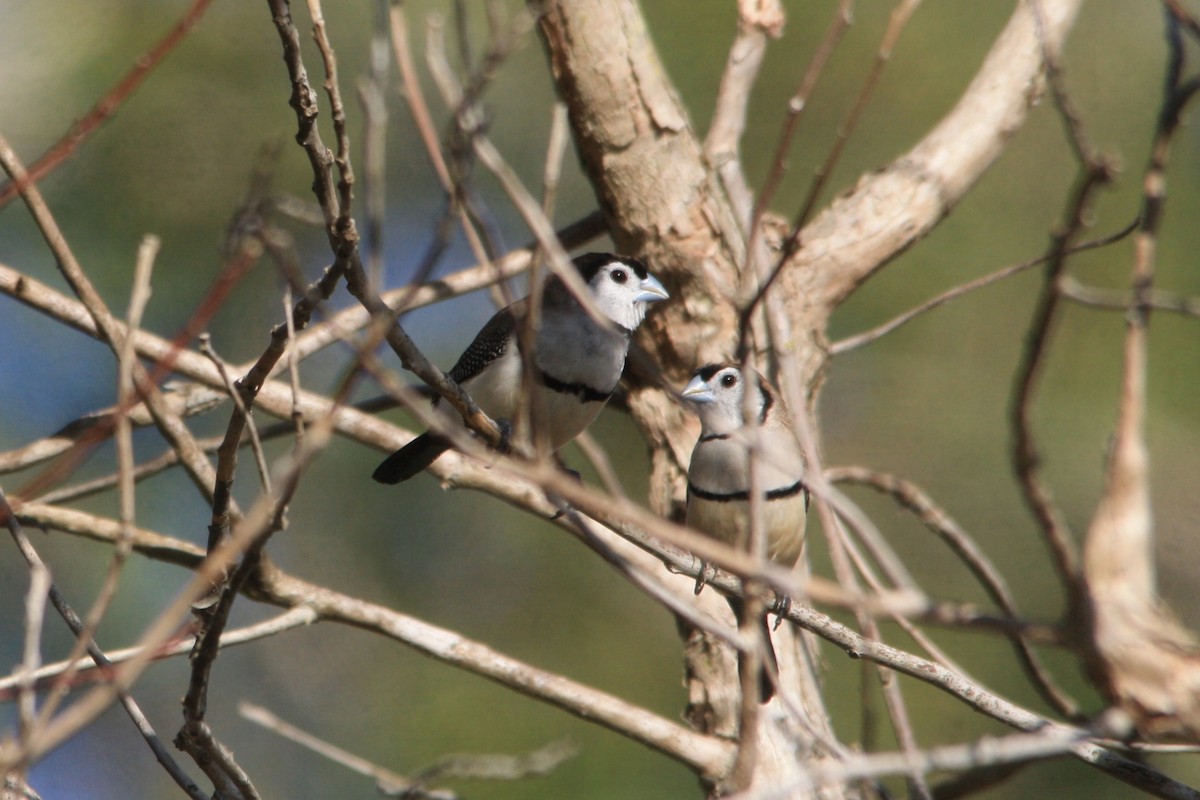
[[664, 202]]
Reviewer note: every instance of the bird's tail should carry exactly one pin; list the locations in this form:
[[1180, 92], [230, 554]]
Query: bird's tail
[[769, 663], [411, 459], [769, 666]]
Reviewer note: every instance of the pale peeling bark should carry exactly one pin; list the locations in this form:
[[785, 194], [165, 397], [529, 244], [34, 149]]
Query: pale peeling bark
[[1142, 658], [662, 201]]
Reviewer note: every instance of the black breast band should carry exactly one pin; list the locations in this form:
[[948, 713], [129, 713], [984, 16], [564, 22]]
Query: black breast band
[[744, 496], [584, 392]]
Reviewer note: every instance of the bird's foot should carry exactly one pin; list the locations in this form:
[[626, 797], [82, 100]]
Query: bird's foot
[[702, 575], [563, 504], [781, 608], [506, 431], [562, 465]]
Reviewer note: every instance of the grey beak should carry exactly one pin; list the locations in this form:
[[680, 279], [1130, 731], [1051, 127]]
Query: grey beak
[[697, 391], [651, 291]]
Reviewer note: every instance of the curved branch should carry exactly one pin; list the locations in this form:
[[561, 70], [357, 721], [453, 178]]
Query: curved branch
[[897, 206], [708, 755]]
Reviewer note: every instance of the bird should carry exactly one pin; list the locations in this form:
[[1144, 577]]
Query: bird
[[577, 360], [719, 485]]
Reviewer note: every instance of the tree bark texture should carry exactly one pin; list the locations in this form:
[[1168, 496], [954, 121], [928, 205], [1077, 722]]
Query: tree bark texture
[[664, 202]]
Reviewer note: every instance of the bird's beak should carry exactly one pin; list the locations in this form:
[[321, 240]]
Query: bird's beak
[[697, 391], [651, 291]]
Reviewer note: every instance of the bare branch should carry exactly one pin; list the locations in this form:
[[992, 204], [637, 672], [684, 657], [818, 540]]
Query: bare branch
[[112, 332], [986, 752], [858, 340], [1146, 662], [897, 21], [288, 592], [893, 208], [183, 399], [86, 669], [758, 21], [1115, 300], [961, 544], [139, 297], [36, 740], [1025, 455], [797, 105], [489, 767]]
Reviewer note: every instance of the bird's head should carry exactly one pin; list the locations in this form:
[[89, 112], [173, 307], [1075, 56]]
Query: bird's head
[[621, 286], [717, 392]]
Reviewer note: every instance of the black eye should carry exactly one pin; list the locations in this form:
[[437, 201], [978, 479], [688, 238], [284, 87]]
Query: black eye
[[619, 275], [729, 380]]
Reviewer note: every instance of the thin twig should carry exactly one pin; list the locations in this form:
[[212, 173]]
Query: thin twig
[[1117, 300], [897, 21], [86, 669], [260, 458], [798, 104], [1094, 171], [1025, 454], [491, 767], [1077, 136], [184, 399], [198, 468], [31, 661], [139, 297], [381, 775], [985, 752], [527, 206], [866, 337], [293, 364], [961, 544], [415, 99], [839, 551], [757, 23], [41, 738], [757, 254], [286, 591]]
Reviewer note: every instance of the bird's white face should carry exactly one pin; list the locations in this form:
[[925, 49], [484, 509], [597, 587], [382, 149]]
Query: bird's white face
[[718, 393], [622, 295]]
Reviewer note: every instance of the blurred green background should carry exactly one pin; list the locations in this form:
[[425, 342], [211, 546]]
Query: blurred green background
[[928, 402]]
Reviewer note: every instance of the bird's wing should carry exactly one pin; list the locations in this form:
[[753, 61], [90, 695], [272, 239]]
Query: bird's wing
[[489, 344]]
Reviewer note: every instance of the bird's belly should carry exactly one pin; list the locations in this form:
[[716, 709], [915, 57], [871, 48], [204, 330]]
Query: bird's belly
[[497, 390], [729, 522], [564, 416]]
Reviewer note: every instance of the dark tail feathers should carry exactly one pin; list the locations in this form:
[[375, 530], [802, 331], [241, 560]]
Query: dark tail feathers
[[770, 664], [411, 459]]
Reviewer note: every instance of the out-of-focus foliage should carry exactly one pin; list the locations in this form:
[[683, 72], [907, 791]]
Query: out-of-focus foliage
[[928, 402]]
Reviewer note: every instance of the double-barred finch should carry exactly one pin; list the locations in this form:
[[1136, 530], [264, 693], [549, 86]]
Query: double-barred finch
[[719, 485], [577, 360]]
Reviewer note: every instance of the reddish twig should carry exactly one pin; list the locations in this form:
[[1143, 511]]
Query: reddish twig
[[896, 23], [100, 113]]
